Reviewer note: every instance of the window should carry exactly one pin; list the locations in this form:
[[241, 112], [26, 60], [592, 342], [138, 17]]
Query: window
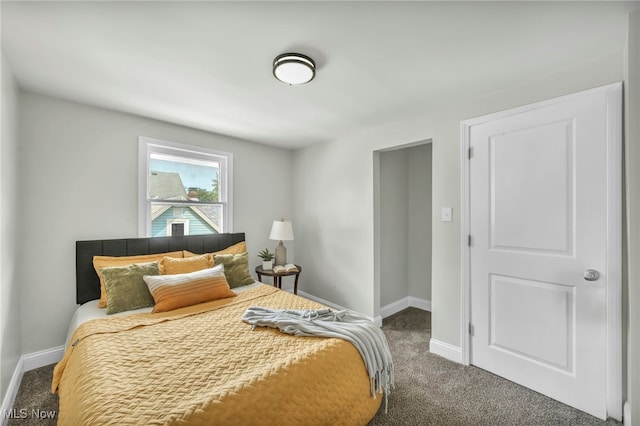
[[183, 190], [178, 227]]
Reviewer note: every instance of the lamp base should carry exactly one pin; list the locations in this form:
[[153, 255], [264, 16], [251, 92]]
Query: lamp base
[[281, 254]]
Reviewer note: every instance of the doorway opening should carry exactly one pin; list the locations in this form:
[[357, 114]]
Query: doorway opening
[[402, 228]]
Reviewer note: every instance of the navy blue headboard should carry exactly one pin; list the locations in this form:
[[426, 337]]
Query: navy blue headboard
[[87, 282]]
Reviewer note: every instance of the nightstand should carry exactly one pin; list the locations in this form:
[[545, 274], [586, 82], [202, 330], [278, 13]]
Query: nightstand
[[277, 278]]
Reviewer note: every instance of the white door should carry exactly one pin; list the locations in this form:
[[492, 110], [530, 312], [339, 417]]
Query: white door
[[539, 202]]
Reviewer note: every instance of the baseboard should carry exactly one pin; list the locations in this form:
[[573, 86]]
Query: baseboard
[[394, 307], [12, 391], [385, 311], [319, 300], [445, 350], [41, 358], [404, 303], [326, 302], [416, 302], [26, 363], [378, 320], [626, 414]]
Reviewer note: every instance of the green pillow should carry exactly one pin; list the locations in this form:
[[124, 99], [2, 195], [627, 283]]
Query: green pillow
[[236, 268], [125, 287]]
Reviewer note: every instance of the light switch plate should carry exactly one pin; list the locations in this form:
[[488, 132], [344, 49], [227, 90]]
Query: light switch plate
[[447, 214]]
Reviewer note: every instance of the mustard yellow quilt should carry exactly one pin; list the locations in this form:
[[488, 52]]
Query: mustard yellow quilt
[[203, 365]]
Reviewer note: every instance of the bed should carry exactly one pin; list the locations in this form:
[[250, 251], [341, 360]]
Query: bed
[[201, 364]]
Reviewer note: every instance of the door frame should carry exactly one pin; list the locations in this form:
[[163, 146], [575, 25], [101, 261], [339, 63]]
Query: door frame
[[613, 94]]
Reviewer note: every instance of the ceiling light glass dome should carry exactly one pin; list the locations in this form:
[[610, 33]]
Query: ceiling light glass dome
[[294, 68]]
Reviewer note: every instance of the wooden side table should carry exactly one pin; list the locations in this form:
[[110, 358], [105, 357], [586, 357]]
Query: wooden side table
[[277, 278]]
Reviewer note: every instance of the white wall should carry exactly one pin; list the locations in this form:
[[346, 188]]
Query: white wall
[[78, 180], [632, 177], [9, 289], [333, 183]]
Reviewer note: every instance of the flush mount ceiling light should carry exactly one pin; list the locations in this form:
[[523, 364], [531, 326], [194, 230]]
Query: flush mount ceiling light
[[294, 68]]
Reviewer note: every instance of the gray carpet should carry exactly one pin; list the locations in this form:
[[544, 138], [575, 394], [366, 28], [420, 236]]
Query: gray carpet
[[35, 400], [429, 390]]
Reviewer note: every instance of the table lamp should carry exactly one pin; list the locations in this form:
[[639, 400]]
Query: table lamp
[[283, 231]]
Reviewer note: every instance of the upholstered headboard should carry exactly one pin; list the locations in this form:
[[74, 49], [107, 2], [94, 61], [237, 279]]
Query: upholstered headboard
[[87, 282]]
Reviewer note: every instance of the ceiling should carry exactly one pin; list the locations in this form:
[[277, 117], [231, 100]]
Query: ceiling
[[207, 65]]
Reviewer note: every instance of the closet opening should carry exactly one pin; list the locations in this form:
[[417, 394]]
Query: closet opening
[[402, 228]]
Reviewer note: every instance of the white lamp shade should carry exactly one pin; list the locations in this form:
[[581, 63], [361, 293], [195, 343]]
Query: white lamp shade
[[281, 231]]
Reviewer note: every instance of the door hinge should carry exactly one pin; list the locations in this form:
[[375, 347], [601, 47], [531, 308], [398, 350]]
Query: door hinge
[[469, 240], [469, 152], [470, 329]]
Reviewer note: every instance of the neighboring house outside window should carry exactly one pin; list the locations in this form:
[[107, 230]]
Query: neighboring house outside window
[[184, 190], [177, 228]]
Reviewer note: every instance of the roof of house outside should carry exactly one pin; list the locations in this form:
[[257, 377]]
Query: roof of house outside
[[166, 186]]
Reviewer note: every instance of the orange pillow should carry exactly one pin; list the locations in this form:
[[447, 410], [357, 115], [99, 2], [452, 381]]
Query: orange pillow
[[238, 248], [177, 291], [100, 262], [172, 266]]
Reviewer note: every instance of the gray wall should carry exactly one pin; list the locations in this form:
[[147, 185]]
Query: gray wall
[[632, 197], [419, 222], [78, 180], [334, 187], [405, 224], [9, 289], [333, 195], [394, 230]]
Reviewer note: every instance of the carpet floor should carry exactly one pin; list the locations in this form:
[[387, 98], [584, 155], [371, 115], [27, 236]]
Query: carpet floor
[[429, 390]]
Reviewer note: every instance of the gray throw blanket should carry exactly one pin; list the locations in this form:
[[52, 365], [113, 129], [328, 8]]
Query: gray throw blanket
[[367, 337]]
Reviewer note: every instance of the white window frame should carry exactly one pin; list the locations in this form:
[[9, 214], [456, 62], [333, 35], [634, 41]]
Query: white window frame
[[148, 146]]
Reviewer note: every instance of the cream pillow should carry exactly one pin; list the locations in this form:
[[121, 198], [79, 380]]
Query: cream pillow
[[176, 291]]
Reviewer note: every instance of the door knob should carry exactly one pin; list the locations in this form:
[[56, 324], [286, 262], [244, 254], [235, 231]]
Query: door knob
[[591, 275]]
